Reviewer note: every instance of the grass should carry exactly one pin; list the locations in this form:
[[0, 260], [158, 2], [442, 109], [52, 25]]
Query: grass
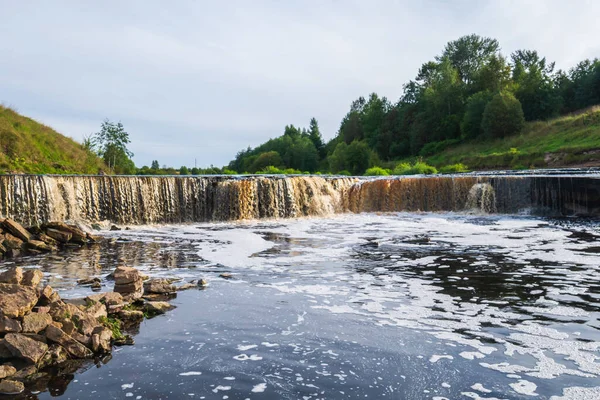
[[26, 146], [572, 140], [114, 325]]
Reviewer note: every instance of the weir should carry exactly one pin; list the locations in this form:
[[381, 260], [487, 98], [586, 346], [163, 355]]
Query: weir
[[34, 199]]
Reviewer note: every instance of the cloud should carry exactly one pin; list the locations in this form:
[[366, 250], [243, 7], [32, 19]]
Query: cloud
[[201, 80]]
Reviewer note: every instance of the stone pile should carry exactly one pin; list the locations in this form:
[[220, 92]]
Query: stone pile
[[38, 329], [15, 240]]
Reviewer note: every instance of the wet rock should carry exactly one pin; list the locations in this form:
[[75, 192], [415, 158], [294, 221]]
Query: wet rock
[[39, 245], [226, 275], [22, 374], [96, 286], [92, 238], [186, 286], [6, 371], [48, 240], [12, 242], [59, 236], [11, 387], [88, 281], [72, 346], [114, 228], [159, 286], [35, 322], [32, 277], [56, 354], [48, 296], [16, 229], [15, 300], [23, 347], [202, 283], [12, 275], [8, 325], [101, 338], [77, 235], [124, 341], [96, 310], [158, 307], [130, 316]]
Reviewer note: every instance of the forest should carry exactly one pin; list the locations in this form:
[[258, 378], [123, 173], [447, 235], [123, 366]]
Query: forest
[[470, 92]]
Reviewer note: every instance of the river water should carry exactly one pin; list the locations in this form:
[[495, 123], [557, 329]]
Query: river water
[[381, 306]]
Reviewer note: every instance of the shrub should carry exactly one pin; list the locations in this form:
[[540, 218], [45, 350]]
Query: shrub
[[503, 116], [418, 168], [471, 122], [454, 168], [377, 171]]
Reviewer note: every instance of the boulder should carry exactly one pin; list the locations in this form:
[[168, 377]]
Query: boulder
[[8, 325], [22, 374], [11, 387], [101, 338], [15, 300], [88, 281], [12, 275], [32, 277], [72, 346], [23, 347], [96, 310], [108, 298], [48, 240], [6, 371], [77, 235], [130, 316], [16, 229], [186, 286], [158, 307], [159, 286], [36, 322], [4, 351], [48, 296], [59, 236]]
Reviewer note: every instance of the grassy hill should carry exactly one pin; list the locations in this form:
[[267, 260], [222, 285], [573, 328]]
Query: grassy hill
[[572, 140], [30, 147]]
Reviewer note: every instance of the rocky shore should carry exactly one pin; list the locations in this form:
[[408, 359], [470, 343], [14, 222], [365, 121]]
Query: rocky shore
[[40, 332]]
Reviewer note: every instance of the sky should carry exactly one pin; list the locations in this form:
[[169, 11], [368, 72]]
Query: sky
[[194, 82]]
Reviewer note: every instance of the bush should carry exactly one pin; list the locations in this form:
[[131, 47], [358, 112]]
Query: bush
[[355, 157], [437, 147], [271, 170], [345, 173], [454, 169], [377, 171], [418, 168], [503, 116]]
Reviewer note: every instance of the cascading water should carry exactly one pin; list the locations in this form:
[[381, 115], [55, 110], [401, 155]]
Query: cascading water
[[166, 199]]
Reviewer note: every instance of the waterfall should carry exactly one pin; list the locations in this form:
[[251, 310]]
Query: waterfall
[[34, 199]]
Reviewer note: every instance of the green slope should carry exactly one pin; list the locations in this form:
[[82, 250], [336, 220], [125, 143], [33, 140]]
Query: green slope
[[572, 140], [26, 146]]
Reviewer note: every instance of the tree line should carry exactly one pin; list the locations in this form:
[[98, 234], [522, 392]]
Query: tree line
[[471, 91]]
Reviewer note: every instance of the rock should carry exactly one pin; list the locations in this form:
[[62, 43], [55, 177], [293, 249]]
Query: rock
[[133, 290], [83, 339], [88, 281], [114, 228], [56, 354], [4, 351], [77, 235], [11, 387], [13, 253], [159, 286], [22, 374], [12, 275], [39, 245], [72, 346], [16, 229], [48, 240], [12, 242], [96, 227], [186, 286], [158, 307], [96, 310], [35, 322], [96, 287], [8, 325], [6, 371], [92, 238], [108, 298], [23, 347], [226, 275], [101, 338], [15, 300], [48, 296], [124, 341], [59, 236], [125, 275], [32, 277], [130, 315], [202, 282]]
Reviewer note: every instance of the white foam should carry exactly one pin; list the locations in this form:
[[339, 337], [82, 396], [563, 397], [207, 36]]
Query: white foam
[[190, 373], [524, 387], [261, 387]]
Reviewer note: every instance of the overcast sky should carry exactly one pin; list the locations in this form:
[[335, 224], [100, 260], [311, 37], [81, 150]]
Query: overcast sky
[[202, 80]]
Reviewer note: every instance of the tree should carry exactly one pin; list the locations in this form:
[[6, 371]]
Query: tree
[[184, 170], [268, 159], [471, 122], [468, 54], [355, 157], [155, 165], [503, 116], [314, 134], [111, 144]]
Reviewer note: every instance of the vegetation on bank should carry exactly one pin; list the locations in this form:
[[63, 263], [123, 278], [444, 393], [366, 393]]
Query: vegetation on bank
[[30, 147]]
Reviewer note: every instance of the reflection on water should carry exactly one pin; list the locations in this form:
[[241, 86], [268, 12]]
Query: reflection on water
[[402, 306]]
